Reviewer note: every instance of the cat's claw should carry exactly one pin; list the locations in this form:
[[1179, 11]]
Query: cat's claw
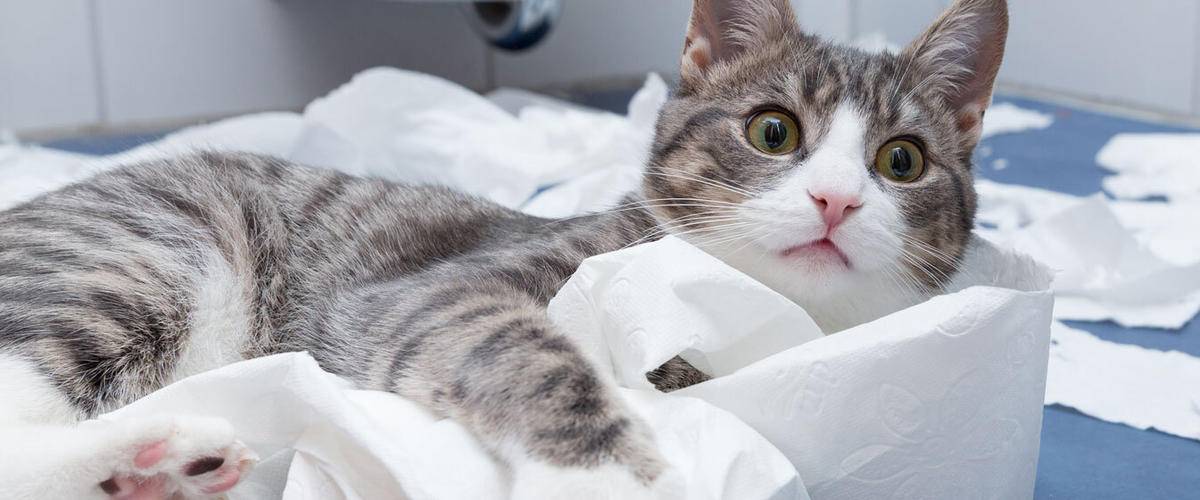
[[178, 458]]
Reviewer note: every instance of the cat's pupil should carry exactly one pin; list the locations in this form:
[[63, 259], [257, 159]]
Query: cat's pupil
[[775, 134], [902, 162]]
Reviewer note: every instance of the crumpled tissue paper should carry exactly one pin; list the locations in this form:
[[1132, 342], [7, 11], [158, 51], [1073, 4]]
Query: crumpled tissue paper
[[1106, 253], [408, 127], [1136, 263], [446, 134], [387, 117], [321, 439], [941, 400], [1105, 273]]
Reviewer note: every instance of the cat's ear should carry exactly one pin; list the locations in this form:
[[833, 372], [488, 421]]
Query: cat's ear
[[959, 57], [721, 30]]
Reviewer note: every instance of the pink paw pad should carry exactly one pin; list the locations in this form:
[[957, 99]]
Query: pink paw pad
[[197, 461], [150, 455], [135, 488], [223, 480]]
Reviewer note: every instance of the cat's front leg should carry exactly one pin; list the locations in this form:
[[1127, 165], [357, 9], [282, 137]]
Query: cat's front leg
[[493, 361]]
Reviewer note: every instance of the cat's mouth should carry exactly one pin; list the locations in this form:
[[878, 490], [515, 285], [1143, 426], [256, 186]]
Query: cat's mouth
[[820, 251]]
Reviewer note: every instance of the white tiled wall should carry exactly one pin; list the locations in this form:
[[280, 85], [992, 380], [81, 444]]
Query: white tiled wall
[[602, 39], [901, 21], [599, 39], [1136, 53], [125, 63], [121, 63], [47, 66], [164, 59]]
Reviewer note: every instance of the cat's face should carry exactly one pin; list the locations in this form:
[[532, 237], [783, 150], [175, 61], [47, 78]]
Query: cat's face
[[817, 168]]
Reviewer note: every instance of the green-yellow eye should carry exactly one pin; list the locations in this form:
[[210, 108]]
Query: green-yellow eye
[[773, 133], [900, 160]]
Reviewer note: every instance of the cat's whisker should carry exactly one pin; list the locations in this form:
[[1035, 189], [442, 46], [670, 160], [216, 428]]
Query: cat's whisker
[[717, 227], [651, 204], [927, 269], [933, 251], [904, 281], [666, 229], [751, 241], [687, 176], [720, 181], [932, 77], [722, 239], [900, 81], [907, 278]]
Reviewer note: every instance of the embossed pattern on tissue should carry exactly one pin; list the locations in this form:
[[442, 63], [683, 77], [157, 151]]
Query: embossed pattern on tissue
[[1020, 347], [940, 442], [805, 393], [960, 324]]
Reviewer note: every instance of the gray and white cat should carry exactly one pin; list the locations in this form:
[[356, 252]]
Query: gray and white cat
[[840, 178]]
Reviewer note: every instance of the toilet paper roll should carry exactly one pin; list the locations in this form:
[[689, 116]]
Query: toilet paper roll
[[941, 400]]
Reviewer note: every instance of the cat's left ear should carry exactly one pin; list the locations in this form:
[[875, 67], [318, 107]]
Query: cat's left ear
[[960, 55]]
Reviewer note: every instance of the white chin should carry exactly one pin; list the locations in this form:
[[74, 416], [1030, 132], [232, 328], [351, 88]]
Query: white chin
[[835, 295], [799, 276]]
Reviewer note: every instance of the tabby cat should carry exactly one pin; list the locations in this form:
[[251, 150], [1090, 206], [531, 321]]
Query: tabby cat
[[838, 177]]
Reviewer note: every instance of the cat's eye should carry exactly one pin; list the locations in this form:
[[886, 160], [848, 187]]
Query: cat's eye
[[900, 160], [773, 133]]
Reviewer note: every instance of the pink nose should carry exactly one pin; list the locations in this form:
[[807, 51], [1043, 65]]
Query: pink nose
[[835, 207]]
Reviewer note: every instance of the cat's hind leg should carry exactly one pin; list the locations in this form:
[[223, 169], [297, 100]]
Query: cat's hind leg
[[46, 453]]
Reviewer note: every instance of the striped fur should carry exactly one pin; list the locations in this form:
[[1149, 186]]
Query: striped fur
[[119, 285], [434, 295]]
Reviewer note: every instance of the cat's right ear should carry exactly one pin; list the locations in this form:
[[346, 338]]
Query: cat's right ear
[[959, 57], [721, 30]]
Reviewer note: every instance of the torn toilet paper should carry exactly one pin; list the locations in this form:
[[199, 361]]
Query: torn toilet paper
[[443, 133], [408, 127], [1117, 382], [1106, 272], [1008, 118], [942, 400], [854, 415], [367, 128], [1168, 229], [1152, 165], [320, 439]]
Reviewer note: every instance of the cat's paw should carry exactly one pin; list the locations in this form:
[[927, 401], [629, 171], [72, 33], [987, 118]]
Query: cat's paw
[[540, 481], [174, 457]]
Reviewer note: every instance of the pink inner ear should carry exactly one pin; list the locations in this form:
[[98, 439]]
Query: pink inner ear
[[699, 55], [961, 54], [721, 29], [970, 118]]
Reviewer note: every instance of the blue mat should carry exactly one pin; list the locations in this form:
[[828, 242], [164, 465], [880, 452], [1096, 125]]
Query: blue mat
[[1082, 458]]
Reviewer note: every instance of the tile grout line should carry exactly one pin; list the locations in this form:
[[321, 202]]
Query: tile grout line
[[1196, 66], [102, 110]]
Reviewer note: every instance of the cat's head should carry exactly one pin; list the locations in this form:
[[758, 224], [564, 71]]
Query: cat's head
[[817, 168]]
